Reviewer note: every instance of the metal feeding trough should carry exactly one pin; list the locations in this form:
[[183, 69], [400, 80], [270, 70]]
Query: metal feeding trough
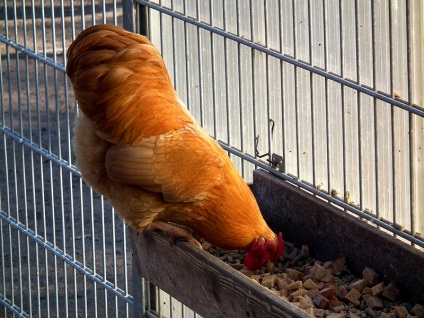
[[214, 289]]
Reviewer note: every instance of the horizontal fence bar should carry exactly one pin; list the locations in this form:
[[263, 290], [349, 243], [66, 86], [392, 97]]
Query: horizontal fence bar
[[332, 199], [11, 307], [41, 151], [150, 314], [32, 54], [415, 109], [66, 258]]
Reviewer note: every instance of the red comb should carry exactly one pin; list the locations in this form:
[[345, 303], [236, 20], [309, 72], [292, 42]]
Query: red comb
[[280, 244]]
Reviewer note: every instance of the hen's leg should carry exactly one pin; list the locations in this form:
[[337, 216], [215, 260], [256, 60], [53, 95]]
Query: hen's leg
[[176, 232]]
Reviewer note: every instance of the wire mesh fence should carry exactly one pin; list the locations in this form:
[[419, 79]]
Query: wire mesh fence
[[334, 88], [63, 250]]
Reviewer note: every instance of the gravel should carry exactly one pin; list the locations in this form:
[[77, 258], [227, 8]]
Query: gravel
[[333, 279]]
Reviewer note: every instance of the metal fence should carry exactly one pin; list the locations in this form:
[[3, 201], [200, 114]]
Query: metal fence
[[63, 252], [333, 87]]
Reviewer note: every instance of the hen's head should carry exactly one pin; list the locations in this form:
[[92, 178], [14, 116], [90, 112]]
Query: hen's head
[[264, 251]]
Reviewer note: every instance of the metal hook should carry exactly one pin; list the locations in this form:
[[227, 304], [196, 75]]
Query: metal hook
[[256, 149], [272, 122], [271, 126]]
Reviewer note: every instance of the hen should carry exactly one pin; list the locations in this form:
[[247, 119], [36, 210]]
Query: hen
[[137, 144]]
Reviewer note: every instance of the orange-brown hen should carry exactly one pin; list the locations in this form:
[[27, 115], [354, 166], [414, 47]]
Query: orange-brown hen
[[137, 144]]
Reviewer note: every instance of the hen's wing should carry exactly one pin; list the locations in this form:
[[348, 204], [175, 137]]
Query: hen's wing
[[182, 165]]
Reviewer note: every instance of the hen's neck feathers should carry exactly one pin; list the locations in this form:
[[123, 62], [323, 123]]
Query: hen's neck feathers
[[236, 209]]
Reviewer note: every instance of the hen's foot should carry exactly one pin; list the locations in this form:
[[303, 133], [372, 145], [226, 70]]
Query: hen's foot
[[176, 232]]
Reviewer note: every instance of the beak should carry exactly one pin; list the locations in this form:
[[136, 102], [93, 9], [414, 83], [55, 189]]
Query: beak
[[269, 266]]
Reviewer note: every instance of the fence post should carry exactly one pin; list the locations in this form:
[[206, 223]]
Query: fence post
[[138, 307], [128, 15]]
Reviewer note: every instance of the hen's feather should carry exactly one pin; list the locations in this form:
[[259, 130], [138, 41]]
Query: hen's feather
[[114, 72]]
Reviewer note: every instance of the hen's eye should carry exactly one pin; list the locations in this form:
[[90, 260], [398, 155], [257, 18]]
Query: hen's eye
[[269, 249]]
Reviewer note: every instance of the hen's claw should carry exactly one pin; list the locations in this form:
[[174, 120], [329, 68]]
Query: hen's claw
[[176, 232]]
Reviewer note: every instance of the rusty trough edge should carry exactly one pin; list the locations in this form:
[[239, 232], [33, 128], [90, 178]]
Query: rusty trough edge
[[330, 232], [203, 282]]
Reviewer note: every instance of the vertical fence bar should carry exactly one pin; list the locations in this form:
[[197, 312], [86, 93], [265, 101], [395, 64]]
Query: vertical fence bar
[[15, 159], [2, 236], [311, 84], [93, 13], [343, 101], [376, 166], [27, 206], [392, 119], [114, 257], [411, 127], [69, 175], [44, 212], [83, 255], [104, 254], [137, 292], [8, 187], [416, 96], [358, 101], [33, 161], [52, 174], [93, 247], [125, 265]]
